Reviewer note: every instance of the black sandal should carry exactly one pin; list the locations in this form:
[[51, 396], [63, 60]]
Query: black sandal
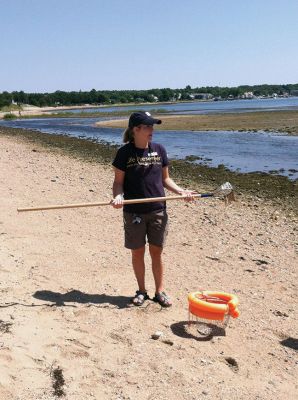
[[139, 298], [163, 299]]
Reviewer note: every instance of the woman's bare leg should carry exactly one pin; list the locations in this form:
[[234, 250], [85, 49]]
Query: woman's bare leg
[[157, 267], [138, 264]]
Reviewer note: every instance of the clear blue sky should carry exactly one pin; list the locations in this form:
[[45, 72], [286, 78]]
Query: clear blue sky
[[137, 44]]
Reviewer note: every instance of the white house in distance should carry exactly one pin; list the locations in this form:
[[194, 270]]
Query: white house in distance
[[201, 96], [248, 95]]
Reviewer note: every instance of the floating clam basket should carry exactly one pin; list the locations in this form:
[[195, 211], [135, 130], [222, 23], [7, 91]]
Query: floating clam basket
[[212, 307]]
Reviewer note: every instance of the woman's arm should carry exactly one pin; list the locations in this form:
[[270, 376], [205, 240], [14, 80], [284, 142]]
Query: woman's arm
[[117, 202], [169, 183], [173, 187]]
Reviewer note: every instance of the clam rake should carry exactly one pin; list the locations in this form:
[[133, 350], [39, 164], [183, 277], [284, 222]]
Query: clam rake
[[224, 191]]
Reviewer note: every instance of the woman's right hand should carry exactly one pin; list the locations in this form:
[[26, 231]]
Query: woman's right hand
[[117, 202], [188, 193]]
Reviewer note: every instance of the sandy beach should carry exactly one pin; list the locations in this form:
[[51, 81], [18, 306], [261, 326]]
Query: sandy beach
[[34, 110], [66, 327]]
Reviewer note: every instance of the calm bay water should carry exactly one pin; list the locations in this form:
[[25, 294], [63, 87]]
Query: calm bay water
[[208, 107], [239, 151]]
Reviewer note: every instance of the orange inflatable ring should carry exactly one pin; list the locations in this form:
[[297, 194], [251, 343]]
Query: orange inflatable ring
[[213, 305]]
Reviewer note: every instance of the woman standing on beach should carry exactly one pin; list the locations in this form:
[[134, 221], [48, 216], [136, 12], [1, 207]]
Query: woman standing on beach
[[141, 171]]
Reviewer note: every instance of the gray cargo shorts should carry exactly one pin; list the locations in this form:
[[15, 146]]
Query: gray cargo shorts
[[137, 227]]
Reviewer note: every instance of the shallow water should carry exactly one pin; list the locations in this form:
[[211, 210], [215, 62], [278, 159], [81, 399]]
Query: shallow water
[[238, 151], [207, 107]]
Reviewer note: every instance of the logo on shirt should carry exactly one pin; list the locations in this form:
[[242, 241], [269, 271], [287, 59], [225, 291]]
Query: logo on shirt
[[152, 159]]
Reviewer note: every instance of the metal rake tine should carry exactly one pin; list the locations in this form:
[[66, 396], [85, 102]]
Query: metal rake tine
[[224, 189], [227, 191]]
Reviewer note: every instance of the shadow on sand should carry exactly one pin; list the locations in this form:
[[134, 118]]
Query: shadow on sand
[[75, 296], [290, 342], [202, 332]]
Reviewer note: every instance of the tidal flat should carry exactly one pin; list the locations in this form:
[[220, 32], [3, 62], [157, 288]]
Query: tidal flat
[[265, 188], [269, 121]]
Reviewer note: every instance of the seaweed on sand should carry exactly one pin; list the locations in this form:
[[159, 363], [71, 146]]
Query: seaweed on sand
[[58, 382]]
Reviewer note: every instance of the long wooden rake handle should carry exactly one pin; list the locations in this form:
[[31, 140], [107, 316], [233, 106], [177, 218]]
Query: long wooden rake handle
[[222, 190], [106, 203]]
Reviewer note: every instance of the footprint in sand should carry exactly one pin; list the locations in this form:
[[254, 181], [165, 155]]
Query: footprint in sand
[[71, 351]]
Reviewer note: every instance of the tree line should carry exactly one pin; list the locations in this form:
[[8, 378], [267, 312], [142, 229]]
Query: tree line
[[62, 98]]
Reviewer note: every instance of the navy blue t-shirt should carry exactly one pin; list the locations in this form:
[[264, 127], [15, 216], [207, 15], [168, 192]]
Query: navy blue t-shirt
[[143, 175]]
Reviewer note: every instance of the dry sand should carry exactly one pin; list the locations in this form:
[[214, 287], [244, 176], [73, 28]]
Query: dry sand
[[66, 281]]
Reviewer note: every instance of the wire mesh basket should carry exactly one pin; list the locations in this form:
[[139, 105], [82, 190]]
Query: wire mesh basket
[[210, 311]]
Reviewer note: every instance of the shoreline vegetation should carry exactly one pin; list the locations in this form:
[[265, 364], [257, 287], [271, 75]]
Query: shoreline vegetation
[[153, 95], [264, 188]]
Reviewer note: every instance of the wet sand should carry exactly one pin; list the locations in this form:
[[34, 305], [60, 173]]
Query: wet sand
[[275, 121]]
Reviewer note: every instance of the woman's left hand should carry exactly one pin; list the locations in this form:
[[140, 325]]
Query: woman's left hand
[[117, 202]]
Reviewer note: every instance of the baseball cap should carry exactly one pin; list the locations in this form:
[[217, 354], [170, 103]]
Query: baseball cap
[[142, 118]]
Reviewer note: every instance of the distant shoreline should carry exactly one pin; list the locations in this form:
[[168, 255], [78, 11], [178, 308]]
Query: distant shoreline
[[282, 121], [285, 122], [42, 110], [34, 110]]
